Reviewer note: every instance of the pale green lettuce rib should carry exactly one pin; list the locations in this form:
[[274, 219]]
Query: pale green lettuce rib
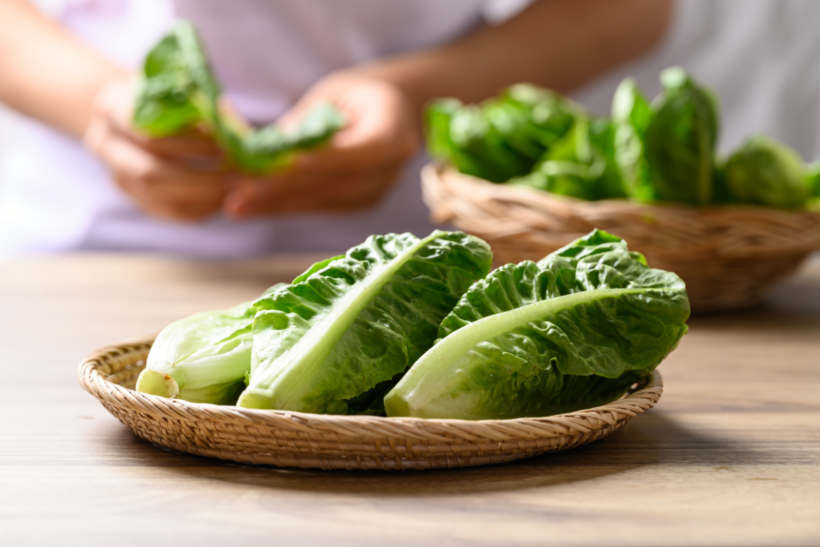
[[201, 358], [205, 357]]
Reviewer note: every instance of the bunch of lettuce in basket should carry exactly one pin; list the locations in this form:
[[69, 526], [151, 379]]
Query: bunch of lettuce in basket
[[178, 90], [663, 151], [404, 326]]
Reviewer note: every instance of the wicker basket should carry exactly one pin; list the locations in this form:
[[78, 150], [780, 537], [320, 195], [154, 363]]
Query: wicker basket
[[728, 256], [294, 439]]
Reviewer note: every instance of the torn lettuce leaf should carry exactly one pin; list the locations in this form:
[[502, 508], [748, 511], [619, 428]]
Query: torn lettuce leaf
[[179, 90], [531, 339], [272, 147]]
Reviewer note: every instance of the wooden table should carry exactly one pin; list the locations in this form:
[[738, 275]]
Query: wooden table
[[730, 456]]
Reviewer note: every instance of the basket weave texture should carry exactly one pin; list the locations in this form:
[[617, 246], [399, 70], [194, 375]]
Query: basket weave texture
[[293, 439], [727, 255]]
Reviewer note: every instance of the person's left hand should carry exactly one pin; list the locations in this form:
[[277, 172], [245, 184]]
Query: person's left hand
[[352, 170], [180, 177]]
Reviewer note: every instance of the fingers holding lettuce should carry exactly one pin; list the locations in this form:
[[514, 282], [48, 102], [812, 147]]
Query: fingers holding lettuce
[[353, 168], [178, 177], [172, 143]]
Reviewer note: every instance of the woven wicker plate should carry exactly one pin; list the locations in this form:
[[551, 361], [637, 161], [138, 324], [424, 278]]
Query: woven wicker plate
[[294, 439]]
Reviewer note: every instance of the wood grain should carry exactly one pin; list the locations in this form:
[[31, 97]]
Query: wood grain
[[730, 456]]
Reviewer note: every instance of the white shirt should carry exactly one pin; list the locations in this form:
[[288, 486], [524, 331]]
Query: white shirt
[[55, 196], [759, 56]]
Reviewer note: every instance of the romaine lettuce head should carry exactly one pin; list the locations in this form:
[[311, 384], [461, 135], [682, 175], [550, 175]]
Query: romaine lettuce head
[[502, 137], [765, 172], [203, 358], [631, 114], [550, 114], [581, 164], [335, 340], [437, 119], [680, 140], [472, 132], [572, 331]]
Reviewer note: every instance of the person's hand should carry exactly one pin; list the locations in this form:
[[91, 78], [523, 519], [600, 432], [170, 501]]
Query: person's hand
[[180, 177], [351, 171]]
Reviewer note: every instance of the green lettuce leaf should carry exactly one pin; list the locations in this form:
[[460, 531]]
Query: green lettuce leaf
[[515, 126], [531, 339], [438, 117], [813, 178], [813, 182], [581, 164], [680, 140], [631, 114], [503, 137], [336, 339], [178, 90], [549, 115], [472, 133], [272, 147]]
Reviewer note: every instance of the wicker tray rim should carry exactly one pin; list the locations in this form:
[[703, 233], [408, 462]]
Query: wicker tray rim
[[297, 439]]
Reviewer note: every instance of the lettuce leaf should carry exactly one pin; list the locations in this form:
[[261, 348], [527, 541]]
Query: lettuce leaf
[[581, 164], [335, 340], [531, 339], [631, 114], [503, 137], [813, 179], [681, 138], [178, 90]]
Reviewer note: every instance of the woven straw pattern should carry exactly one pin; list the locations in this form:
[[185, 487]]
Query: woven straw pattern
[[727, 255], [294, 439]]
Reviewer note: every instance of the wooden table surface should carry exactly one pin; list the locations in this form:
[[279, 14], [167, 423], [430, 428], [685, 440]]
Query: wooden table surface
[[730, 456]]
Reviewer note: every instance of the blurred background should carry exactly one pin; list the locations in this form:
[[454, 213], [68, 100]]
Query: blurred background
[[120, 192]]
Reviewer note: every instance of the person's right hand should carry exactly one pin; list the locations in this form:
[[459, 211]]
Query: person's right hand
[[181, 177]]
